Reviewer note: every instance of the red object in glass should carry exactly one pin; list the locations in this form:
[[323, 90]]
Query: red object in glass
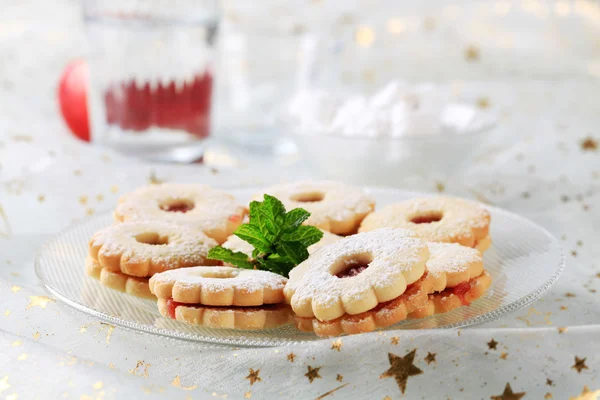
[[72, 97], [167, 106]]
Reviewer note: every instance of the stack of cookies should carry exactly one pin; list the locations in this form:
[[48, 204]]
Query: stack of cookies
[[370, 270]]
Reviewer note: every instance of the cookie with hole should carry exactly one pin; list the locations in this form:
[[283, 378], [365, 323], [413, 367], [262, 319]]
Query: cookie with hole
[[145, 248], [436, 219], [132, 285], [334, 207], [210, 210]]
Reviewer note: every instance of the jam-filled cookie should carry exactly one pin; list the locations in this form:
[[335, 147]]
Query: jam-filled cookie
[[213, 211], [132, 285], [436, 219], [144, 248], [334, 207], [355, 274], [222, 297]]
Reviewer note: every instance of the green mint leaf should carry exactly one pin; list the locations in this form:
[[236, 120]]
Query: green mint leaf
[[274, 208], [238, 258], [277, 264], [294, 219], [307, 235], [262, 220], [251, 234], [294, 251]]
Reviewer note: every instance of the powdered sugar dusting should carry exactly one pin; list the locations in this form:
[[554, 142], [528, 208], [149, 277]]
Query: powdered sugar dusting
[[451, 258]]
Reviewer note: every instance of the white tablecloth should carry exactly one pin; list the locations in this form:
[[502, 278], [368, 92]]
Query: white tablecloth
[[542, 162]]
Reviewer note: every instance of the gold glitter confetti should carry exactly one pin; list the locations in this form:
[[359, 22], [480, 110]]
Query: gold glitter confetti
[[39, 301], [508, 394], [587, 394], [22, 138], [16, 343], [440, 187], [7, 229], [337, 345], [562, 329], [331, 392], [564, 308], [549, 382], [365, 36], [253, 376], [589, 144], [533, 312], [177, 383], [99, 197], [569, 294], [394, 340], [430, 358], [89, 211], [103, 325], [492, 344], [387, 398], [138, 366], [6, 313], [153, 179], [548, 395], [579, 364], [291, 357], [41, 198], [472, 53], [111, 365], [483, 102], [395, 26], [98, 385], [83, 200], [36, 336], [77, 172], [339, 377], [23, 357], [4, 385], [312, 374], [114, 189], [401, 368], [503, 355], [15, 288], [248, 395]]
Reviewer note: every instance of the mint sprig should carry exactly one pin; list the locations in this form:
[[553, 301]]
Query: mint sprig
[[279, 239]]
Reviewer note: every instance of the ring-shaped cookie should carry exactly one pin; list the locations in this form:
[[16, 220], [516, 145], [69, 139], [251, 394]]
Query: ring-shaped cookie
[[213, 211], [219, 286], [435, 219], [334, 207], [132, 285], [356, 273], [144, 248]]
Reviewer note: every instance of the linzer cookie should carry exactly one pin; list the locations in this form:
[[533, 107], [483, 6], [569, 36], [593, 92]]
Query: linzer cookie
[[334, 207], [436, 219], [222, 297], [132, 285], [355, 274], [213, 211], [144, 248]]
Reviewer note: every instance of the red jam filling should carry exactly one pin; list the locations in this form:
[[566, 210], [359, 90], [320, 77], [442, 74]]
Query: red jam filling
[[177, 207], [172, 306], [352, 270], [460, 291]]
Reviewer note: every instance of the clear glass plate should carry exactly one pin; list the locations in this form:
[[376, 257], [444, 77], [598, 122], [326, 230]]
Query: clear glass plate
[[524, 261]]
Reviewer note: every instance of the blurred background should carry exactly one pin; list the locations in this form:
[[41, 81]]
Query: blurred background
[[381, 92]]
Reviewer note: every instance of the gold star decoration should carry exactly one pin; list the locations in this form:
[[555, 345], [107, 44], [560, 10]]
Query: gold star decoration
[[15, 288], [549, 382], [472, 54], [253, 376], [177, 383], [22, 357], [291, 357], [562, 329], [569, 294], [41, 198], [589, 144], [337, 345], [331, 392], [98, 385], [579, 364], [247, 395], [36, 336], [137, 368], [508, 394], [532, 314], [395, 340], [587, 394], [387, 398], [339, 378], [312, 374], [4, 385], [39, 301], [153, 179], [503, 355], [401, 368], [548, 395], [483, 102], [430, 358], [440, 187], [492, 344]]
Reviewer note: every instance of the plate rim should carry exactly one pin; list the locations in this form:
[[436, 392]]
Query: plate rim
[[271, 342]]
